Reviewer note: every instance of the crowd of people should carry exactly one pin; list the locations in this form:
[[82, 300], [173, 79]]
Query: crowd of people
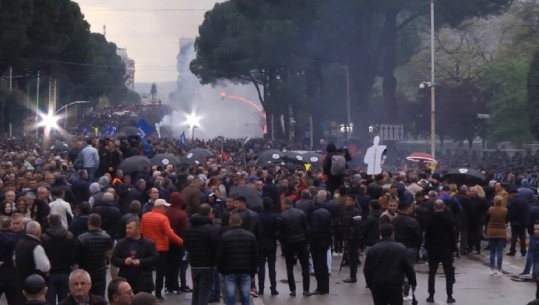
[[69, 217]]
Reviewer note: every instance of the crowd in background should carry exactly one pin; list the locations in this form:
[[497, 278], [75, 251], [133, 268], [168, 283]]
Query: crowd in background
[[75, 204]]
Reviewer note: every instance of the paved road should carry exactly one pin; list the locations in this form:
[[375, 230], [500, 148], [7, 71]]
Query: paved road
[[473, 286]]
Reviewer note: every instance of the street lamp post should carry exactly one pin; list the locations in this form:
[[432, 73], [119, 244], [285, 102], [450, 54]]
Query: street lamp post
[[432, 86], [193, 132], [65, 107]]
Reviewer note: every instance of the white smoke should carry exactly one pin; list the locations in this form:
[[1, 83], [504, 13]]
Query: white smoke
[[229, 116]]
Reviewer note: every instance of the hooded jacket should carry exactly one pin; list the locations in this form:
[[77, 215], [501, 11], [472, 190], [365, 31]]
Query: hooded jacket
[[201, 240], [176, 214], [59, 245]]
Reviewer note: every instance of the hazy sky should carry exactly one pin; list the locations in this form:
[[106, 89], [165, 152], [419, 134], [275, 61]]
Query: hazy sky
[[149, 29]]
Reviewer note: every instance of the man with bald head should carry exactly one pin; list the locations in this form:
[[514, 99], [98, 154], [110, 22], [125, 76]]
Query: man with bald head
[[29, 255]]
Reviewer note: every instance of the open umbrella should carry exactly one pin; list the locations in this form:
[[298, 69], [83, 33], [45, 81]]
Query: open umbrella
[[127, 131], [254, 200], [59, 146], [164, 160], [196, 156], [464, 175], [293, 157], [134, 164], [269, 156], [313, 157], [420, 156]]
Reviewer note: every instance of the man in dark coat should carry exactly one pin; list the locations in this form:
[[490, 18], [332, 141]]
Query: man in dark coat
[[386, 266], [59, 245], [91, 250], [350, 231], [333, 181], [178, 221], [293, 234], [441, 244], [369, 228], [267, 246], [320, 241], [201, 240], [517, 214], [80, 284], [110, 215], [408, 233], [8, 240], [136, 257], [29, 255], [237, 261]]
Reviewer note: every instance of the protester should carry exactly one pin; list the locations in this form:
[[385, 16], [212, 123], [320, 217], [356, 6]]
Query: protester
[[59, 245], [34, 289], [201, 240], [119, 292], [497, 234], [440, 244], [80, 284], [136, 257], [91, 252], [386, 265], [237, 261], [156, 226], [293, 231]]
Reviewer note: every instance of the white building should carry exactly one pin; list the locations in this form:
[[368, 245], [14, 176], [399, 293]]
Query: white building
[[129, 68]]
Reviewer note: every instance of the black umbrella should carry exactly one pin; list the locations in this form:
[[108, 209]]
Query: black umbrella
[[164, 160], [128, 131], [254, 200], [60, 146], [134, 164], [313, 157], [464, 175], [196, 156], [269, 156], [293, 157]]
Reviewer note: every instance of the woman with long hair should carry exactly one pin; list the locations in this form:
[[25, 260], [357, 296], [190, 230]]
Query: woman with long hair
[[497, 234], [6, 209]]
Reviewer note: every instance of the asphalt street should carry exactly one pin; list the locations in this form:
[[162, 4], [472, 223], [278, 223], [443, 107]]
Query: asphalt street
[[473, 285]]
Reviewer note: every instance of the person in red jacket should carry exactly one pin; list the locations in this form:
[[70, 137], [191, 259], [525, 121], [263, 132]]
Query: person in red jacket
[[156, 226], [178, 221]]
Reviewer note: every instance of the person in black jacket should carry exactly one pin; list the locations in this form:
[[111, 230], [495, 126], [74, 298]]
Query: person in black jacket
[[110, 215], [440, 244], [320, 241], [29, 255], [59, 245], [91, 251], [386, 266], [237, 261], [201, 240], [293, 234], [369, 229], [8, 240], [80, 284], [79, 224], [351, 234], [408, 233], [333, 181], [267, 246], [136, 257], [518, 212]]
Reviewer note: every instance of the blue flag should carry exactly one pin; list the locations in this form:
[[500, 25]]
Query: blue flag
[[144, 128], [183, 140]]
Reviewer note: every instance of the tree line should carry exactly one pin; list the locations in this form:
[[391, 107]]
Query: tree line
[[308, 57], [52, 38]]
